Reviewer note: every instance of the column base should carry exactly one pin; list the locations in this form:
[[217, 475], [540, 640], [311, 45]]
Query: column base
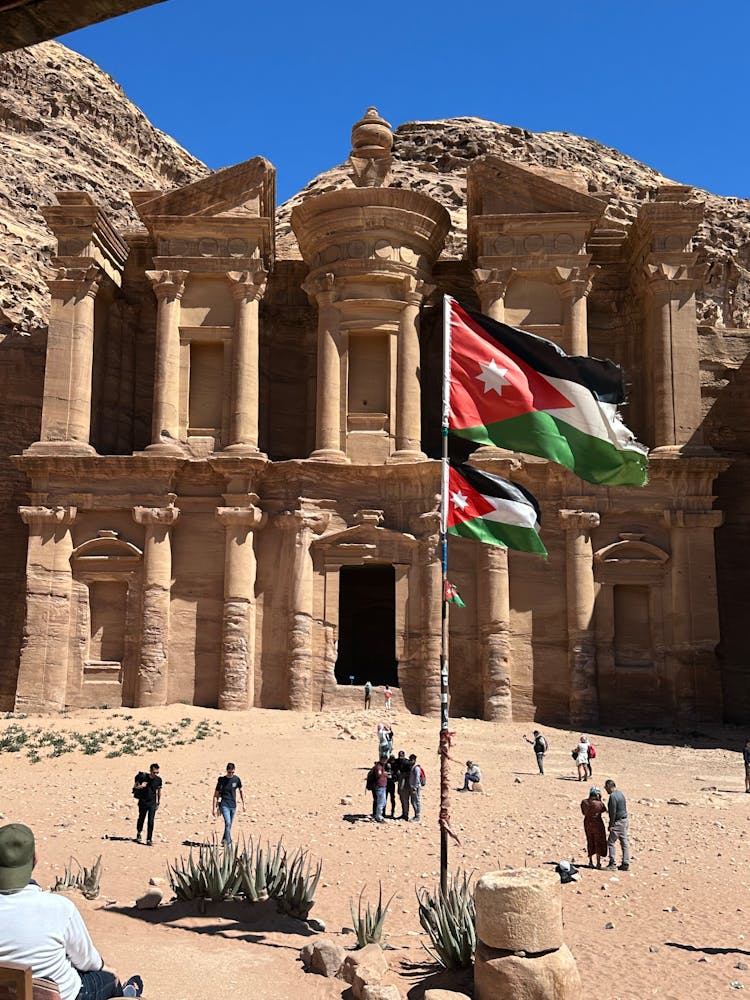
[[240, 448], [167, 448], [404, 456], [330, 455], [40, 448]]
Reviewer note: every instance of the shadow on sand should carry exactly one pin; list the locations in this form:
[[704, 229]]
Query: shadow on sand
[[707, 950]]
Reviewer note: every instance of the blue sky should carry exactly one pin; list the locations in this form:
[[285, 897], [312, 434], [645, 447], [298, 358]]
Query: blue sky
[[665, 82]]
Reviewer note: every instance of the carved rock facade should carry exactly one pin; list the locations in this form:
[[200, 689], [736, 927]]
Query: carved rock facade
[[232, 501]]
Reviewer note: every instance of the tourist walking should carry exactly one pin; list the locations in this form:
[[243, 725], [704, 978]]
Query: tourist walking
[[368, 694], [618, 825], [147, 790], [471, 777], [225, 800], [417, 782], [581, 757], [540, 746], [746, 758], [385, 739], [387, 694], [593, 810]]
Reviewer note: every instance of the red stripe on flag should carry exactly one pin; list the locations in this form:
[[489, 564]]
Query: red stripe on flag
[[488, 382], [464, 502]]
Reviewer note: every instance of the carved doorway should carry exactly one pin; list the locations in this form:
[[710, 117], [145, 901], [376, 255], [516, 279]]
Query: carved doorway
[[367, 626]]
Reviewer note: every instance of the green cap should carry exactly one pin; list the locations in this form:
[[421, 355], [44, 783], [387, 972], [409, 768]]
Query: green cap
[[16, 856]]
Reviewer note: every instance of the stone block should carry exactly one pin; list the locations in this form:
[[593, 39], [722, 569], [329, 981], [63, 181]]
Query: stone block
[[444, 995], [149, 900], [364, 976], [520, 910], [327, 957], [553, 976], [371, 956], [381, 991]]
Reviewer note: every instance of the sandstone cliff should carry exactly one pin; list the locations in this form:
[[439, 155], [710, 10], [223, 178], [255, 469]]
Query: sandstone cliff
[[66, 125]]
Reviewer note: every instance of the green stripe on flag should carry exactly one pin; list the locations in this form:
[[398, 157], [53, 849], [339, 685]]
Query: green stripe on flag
[[592, 458], [494, 533]]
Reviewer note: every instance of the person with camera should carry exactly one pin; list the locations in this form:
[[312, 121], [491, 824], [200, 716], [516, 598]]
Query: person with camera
[[147, 790]]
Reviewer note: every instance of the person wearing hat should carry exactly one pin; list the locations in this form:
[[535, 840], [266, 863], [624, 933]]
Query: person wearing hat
[[46, 931], [473, 774]]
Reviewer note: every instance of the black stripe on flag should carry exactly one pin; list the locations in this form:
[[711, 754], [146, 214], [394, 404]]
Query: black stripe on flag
[[490, 485], [605, 379]]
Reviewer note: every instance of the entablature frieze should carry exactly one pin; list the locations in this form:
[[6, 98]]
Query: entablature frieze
[[82, 229]]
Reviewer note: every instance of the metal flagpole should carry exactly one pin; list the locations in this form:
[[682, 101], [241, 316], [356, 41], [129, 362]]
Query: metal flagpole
[[444, 738]]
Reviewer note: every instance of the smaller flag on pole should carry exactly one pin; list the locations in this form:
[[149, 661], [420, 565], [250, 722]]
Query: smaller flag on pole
[[493, 510], [452, 595]]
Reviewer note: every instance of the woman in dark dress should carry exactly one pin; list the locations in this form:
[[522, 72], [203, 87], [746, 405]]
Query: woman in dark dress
[[593, 825]]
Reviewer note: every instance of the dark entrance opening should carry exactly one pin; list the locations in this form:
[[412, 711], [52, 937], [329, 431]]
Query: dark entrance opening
[[367, 625]]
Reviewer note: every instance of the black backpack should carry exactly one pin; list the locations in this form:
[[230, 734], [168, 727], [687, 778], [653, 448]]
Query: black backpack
[[138, 793], [372, 777]]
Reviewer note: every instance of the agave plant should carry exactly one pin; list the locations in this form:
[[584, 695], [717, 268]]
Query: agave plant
[[216, 875], [296, 896], [450, 921], [368, 926], [86, 880]]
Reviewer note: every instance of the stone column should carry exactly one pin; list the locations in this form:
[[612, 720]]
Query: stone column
[[304, 525], [491, 286], [408, 387], [432, 609], [165, 427], [673, 354], [153, 671], [43, 671], [328, 404], [580, 597], [494, 629], [574, 293], [237, 680], [694, 675], [248, 288], [66, 409]]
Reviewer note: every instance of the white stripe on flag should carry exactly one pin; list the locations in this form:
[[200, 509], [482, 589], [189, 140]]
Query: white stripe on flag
[[521, 515]]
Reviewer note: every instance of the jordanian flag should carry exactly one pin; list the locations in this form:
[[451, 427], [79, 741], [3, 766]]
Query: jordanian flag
[[515, 390], [492, 510], [452, 595]]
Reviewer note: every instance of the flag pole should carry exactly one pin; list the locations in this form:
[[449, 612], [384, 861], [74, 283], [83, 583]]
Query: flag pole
[[444, 739]]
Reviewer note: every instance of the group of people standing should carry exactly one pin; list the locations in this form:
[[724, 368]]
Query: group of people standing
[[600, 843], [390, 776]]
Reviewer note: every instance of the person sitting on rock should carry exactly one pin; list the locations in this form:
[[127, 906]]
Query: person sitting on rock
[[46, 931], [472, 776]]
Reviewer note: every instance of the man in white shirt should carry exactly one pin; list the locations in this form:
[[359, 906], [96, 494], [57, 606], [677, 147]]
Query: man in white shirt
[[46, 931]]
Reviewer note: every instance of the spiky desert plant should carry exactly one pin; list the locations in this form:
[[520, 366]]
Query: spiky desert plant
[[86, 880], [450, 921], [296, 897], [216, 874], [368, 926]]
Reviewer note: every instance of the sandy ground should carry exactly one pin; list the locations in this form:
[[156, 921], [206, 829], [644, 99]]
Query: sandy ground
[[678, 916]]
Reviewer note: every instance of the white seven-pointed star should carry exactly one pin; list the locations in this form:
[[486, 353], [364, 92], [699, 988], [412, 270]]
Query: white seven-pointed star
[[493, 377], [459, 500]]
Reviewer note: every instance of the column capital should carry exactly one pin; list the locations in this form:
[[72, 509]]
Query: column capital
[[576, 282], [693, 518], [39, 516], [416, 290], [248, 286], [165, 516], [660, 275], [580, 521], [298, 521], [322, 288], [168, 285], [251, 517], [499, 277], [75, 282]]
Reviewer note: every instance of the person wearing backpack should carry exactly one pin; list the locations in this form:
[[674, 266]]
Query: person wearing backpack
[[540, 746], [147, 790], [592, 755], [417, 781], [377, 782]]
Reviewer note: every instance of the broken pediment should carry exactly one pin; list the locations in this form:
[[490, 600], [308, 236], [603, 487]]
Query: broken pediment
[[497, 187], [245, 190]]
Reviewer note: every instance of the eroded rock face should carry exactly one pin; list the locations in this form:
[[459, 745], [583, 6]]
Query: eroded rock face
[[65, 125]]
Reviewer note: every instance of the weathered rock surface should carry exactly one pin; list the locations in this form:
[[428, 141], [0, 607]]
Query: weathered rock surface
[[65, 125], [323, 956]]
